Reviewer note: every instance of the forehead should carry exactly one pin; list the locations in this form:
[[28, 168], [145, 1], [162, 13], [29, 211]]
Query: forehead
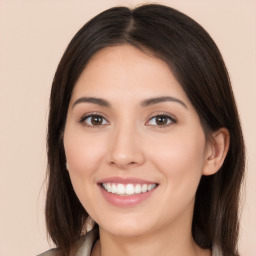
[[127, 71]]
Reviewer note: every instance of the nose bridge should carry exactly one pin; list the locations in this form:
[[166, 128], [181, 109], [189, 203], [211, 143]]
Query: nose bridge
[[126, 149]]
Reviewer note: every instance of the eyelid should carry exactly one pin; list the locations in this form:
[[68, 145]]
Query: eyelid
[[155, 114], [83, 118]]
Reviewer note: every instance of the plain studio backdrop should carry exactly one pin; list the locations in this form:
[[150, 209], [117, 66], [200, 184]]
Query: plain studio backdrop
[[33, 37]]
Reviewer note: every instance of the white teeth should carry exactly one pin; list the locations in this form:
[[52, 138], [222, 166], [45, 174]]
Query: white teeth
[[138, 189], [120, 189], [144, 188], [114, 189], [129, 189], [109, 187]]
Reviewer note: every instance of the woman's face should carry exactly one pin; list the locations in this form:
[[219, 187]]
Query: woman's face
[[134, 144]]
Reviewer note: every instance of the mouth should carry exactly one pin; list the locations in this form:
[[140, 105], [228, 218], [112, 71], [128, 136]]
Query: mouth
[[127, 189], [126, 192]]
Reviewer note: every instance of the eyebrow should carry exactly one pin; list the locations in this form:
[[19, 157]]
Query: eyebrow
[[144, 103], [157, 100], [92, 100]]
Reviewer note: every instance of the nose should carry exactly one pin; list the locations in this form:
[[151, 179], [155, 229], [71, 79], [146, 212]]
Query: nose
[[126, 148]]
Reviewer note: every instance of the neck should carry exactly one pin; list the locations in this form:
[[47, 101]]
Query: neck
[[172, 241]]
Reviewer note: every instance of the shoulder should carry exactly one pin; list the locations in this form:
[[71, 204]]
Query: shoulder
[[51, 252], [216, 251], [85, 244]]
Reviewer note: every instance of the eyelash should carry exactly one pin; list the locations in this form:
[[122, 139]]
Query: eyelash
[[171, 119], [94, 114]]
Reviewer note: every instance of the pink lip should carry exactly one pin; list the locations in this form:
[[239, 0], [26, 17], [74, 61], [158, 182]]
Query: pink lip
[[131, 180], [125, 201]]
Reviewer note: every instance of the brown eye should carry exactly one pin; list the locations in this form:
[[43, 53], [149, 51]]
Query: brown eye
[[161, 120], [94, 120]]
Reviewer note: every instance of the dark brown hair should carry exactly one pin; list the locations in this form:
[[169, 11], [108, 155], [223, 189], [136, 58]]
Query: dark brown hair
[[198, 66]]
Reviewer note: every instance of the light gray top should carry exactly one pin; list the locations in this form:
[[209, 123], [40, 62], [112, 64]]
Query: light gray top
[[86, 243]]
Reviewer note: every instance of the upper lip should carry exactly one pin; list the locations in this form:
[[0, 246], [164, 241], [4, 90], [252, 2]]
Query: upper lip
[[125, 180]]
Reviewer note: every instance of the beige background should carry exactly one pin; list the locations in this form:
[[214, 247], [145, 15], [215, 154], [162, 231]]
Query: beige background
[[33, 36]]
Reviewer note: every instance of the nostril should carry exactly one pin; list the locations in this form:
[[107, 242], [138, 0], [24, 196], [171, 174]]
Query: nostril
[[129, 163], [124, 164]]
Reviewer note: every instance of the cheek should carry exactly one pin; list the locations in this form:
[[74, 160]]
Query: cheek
[[84, 155], [83, 152], [180, 158]]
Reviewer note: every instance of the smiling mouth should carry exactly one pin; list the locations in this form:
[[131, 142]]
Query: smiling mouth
[[128, 189]]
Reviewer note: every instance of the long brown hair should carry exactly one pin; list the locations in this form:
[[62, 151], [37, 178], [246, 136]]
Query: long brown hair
[[198, 66]]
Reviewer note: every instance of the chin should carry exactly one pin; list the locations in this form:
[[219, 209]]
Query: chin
[[127, 226], [126, 232]]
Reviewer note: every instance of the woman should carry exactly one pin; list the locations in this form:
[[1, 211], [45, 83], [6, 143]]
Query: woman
[[144, 141]]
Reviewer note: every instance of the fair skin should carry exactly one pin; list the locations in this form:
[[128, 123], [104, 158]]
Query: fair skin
[[125, 135]]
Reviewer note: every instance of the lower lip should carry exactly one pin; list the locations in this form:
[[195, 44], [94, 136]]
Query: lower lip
[[126, 201]]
